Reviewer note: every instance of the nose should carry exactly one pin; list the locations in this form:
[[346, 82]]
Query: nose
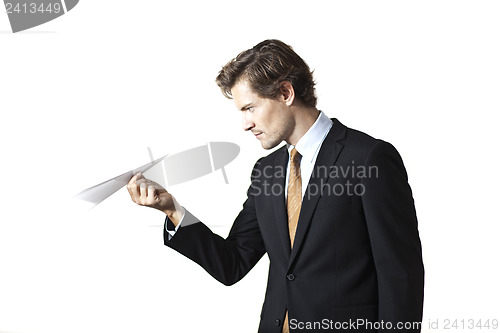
[[247, 122]]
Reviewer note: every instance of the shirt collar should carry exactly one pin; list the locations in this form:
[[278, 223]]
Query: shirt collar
[[310, 142]]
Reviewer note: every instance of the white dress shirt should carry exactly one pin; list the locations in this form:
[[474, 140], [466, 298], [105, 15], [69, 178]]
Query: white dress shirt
[[308, 147]]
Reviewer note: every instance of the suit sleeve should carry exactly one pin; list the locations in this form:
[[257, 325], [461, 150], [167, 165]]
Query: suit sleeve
[[392, 226], [227, 260]]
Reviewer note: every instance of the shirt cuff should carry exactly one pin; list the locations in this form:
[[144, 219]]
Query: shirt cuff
[[170, 227]]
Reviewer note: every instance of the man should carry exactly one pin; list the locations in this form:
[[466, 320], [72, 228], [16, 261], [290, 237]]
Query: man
[[332, 208]]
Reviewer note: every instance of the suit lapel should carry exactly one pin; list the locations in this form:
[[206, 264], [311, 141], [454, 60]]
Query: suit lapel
[[327, 156], [278, 199]]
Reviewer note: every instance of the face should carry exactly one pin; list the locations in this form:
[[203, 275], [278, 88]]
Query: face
[[269, 120]]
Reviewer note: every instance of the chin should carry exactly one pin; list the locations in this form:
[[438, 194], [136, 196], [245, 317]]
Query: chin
[[269, 145]]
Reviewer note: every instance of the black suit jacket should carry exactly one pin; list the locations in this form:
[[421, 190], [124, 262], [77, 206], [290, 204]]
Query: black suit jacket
[[356, 254]]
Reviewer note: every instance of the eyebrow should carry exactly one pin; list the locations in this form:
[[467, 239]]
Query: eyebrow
[[244, 107]]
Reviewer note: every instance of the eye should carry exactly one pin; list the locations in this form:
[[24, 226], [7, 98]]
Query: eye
[[250, 108]]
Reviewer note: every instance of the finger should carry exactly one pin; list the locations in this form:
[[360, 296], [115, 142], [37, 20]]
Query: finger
[[131, 183], [138, 182], [135, 177], [134, 192], [143, 192], [151, 194], [139, 175], [148, 182]]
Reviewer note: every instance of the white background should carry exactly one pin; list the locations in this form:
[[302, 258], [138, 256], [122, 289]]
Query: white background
[[82, 97]]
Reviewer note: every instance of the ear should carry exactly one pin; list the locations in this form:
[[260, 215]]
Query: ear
[[287, 92]]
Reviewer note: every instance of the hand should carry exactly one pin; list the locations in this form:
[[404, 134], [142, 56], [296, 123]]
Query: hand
[[147, 193]]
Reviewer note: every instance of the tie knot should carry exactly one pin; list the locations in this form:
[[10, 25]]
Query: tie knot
[[294, 155]]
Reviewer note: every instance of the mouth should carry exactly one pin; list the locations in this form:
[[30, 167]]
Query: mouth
[[257, 134]]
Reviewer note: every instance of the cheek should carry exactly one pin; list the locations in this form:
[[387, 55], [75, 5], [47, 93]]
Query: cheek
[[283, 121], [275, 118]]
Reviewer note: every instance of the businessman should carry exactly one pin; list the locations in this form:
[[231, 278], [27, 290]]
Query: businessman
[[332, 208]]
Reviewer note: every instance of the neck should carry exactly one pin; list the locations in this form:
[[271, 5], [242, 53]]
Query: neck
[[304, 118]]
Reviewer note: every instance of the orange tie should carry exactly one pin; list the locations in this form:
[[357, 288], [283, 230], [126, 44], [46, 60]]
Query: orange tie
[[294, 199], [293, 204]]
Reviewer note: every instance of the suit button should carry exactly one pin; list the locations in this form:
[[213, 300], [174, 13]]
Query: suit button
[[277, 322], [290, 277]]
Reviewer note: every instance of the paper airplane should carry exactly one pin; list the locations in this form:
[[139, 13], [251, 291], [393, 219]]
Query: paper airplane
[[25, 14], [170, 170], [99, 192]]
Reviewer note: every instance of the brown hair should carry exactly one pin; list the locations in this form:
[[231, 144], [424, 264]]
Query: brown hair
[[265, 66]]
